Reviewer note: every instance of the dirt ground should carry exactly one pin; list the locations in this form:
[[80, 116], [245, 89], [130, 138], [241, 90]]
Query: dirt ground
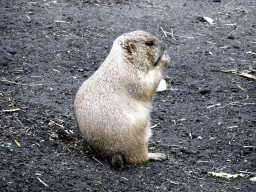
[[205, 121]]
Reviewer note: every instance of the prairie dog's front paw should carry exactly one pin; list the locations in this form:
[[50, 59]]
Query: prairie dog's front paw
[[165, 59], [157, 156]]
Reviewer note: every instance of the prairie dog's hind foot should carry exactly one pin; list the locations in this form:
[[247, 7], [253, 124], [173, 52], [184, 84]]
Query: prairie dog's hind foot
[[117, 162], [157, 156]]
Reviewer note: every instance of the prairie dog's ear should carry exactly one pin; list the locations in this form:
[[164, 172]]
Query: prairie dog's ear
[[128, 45]]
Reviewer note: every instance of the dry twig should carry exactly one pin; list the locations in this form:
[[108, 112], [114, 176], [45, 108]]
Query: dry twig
[[11, 110], [42, 182], [163, 32], [240, 87], [4, 80], [97, 160], [248, 75], [18, 120], [230, 3], [172, 34]]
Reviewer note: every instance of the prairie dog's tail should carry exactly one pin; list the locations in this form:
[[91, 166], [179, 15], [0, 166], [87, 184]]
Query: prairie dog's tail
[[117, 162]]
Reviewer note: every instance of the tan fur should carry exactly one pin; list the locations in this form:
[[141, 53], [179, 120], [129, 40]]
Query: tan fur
[[112, 107]]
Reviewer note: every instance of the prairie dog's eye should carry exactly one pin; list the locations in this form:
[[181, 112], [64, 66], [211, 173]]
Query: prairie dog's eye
[[150, 43]]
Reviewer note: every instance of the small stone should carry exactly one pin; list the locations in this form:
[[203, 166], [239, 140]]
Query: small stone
[[205, 91], [80, 70], [231, 37]]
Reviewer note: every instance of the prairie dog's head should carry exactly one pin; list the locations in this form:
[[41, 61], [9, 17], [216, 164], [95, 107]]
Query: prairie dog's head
[[142, 49]]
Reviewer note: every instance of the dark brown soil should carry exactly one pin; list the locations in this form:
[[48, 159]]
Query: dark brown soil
[[205, 121]]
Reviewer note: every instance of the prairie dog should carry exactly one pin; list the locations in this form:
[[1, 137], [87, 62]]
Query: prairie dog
[[112, 107]]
